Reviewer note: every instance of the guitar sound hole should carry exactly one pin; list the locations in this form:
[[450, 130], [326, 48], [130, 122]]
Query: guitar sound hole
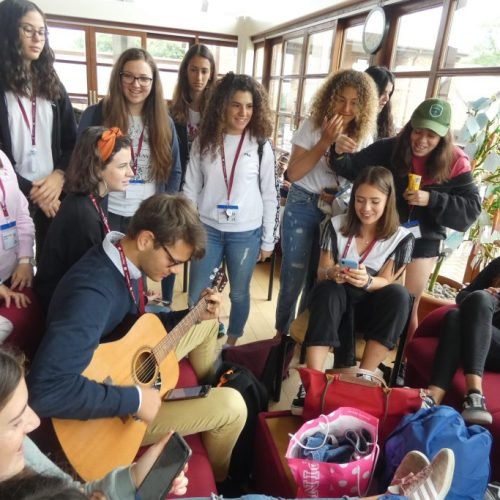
[[145, 367]]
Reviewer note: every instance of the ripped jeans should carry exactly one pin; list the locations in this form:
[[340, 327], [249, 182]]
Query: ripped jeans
[[300, 253], [240, 251]]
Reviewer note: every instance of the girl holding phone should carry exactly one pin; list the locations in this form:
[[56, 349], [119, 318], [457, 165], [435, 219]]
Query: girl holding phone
[[346, 103], [364, 299], [21, 457], [447, 196]]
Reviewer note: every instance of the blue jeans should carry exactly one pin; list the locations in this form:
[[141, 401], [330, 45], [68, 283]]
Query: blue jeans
[[240, 251], [300, 252]]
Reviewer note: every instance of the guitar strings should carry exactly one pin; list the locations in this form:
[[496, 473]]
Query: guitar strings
[[148, 366]]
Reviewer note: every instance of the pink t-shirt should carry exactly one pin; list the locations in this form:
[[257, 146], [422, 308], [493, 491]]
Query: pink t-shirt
[[460, 165]]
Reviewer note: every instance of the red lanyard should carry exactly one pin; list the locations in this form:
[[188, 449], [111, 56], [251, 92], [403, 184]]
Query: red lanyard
[[33, 118], [3, 203], [101, 213], [128, 281], [135, 156], [229, 185], [364, 255]]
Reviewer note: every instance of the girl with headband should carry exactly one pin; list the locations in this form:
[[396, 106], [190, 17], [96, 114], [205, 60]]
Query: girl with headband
[[100, 164]]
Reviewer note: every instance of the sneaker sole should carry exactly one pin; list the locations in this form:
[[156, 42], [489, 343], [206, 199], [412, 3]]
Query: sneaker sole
[[477, 419]]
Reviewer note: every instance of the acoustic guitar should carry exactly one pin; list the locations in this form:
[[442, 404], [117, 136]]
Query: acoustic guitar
[[145, 357]]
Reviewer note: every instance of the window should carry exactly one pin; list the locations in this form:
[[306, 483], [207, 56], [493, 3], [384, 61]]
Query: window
[[85, 54], [353, 55], [298, 66]]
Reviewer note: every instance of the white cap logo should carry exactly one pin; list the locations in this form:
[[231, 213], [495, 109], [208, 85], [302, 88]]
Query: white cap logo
[[436, 110]]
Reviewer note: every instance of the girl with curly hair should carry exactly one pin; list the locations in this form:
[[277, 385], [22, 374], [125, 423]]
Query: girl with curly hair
[[384, 80], [445, 195], [346, 103], [135, 104], [231, 177], [37, 125], [100, 164]]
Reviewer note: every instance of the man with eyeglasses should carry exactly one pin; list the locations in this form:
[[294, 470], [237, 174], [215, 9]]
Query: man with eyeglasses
[[100, 294]]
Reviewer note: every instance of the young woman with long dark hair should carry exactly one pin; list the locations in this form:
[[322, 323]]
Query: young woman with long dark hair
[[37, 125]]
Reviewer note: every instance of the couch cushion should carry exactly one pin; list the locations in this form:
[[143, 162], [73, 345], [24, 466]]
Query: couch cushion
[[420, 357]]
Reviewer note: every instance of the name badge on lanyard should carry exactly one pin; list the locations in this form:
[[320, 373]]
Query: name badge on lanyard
[[414, 227], [9, 235], [136, 189], [227, 213]]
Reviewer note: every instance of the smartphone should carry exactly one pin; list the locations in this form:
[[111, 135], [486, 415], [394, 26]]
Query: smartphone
[[198, 391], [348, 263], [166, 468]]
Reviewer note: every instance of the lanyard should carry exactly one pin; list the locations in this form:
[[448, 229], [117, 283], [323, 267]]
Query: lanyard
[[3, 203], [229, 185], [128, 281], [135, 155], [101, 213], [364, 255], [33, 118]]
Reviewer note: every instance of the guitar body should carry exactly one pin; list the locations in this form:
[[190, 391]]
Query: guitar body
[[94, 447]]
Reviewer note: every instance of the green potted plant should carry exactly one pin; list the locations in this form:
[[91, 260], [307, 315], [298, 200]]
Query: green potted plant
[[481, 135]]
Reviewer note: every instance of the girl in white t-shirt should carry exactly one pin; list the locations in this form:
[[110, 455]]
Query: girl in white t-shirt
[[347, 102], [231, 177], [362, 253], [37, 125]]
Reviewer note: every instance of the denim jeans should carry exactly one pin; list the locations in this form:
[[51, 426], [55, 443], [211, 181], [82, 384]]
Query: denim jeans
[[300, 252], [240, 251]]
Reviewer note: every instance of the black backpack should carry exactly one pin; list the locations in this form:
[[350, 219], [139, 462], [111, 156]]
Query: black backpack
[[256, 398]]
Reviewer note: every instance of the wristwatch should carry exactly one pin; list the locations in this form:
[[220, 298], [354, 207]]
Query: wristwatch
[[26, 260]]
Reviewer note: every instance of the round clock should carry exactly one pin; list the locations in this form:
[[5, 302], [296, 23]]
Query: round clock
[[374, 30]]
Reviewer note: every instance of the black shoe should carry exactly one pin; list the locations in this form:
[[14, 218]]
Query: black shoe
[[222, 330], [475, 411], [297, 407]]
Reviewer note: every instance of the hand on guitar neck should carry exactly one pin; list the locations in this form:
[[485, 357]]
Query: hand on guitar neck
[[212, 298]]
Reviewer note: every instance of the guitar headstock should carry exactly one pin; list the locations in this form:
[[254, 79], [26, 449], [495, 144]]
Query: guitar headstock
[[219, 279]]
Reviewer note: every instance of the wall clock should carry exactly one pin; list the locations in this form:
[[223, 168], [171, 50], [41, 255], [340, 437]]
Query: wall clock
[[374, 30]]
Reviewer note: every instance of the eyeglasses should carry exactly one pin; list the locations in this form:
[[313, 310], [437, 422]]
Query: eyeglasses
[[129, 79], [173, 261], [30, 31]]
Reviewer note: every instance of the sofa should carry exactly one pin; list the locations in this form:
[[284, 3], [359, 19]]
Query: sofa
[[26, 336], [419, 359]]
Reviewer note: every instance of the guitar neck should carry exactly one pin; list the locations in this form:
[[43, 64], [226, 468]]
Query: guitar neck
[[163, 348]]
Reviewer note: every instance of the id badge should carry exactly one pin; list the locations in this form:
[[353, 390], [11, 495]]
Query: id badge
[[414, 228], [9, 235], [32, 160], [135, 189], [227, 214]]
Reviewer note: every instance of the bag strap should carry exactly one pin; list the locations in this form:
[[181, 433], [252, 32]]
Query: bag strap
[[358, 373]]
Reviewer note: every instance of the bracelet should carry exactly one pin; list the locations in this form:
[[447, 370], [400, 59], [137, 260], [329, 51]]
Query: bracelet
[[368, 283], [26, 260]]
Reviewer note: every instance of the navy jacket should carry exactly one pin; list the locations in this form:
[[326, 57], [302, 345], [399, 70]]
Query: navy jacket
[[91, 301]]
